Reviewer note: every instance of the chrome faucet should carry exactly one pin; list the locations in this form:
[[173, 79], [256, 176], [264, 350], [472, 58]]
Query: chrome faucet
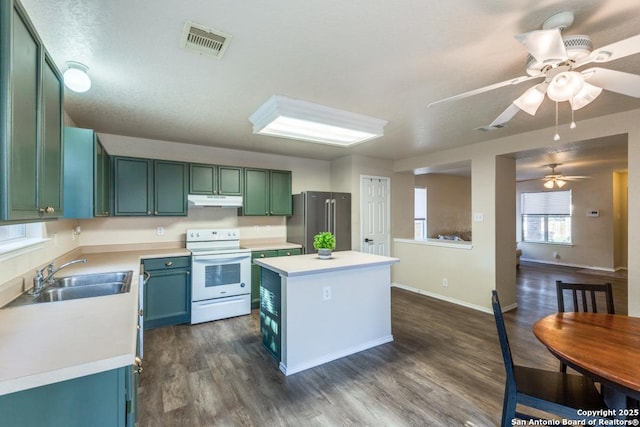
[[40, 281]]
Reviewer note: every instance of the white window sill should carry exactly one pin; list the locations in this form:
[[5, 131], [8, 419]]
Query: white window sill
[[546, 243], [19, 247]]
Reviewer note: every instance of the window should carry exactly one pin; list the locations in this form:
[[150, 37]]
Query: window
[[420, 213], [17, 236], [546, 217]]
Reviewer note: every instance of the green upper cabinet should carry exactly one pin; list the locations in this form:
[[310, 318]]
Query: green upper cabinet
[[267, 192], [215, 180], [31, 96], [86, 175], [149, 187], [280, 192], [170, 183]]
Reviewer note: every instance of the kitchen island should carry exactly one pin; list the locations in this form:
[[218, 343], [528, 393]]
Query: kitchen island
[[313, 311]]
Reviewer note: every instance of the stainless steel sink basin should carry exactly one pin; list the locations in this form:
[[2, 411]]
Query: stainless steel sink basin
[[93, 279], [79, 286]]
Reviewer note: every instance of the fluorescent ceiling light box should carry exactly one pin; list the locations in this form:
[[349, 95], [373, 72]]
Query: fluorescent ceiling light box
[[295, 119]]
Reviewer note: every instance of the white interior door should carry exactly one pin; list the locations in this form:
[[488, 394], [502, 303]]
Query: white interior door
[[375, 211]]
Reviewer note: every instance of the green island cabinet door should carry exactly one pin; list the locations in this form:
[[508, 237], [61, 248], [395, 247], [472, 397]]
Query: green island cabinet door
[[170, 184], [133, 186], [255, 275], [167, 291], [102, 399]]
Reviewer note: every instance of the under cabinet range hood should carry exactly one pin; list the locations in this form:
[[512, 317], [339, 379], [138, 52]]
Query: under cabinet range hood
[[202, 200]]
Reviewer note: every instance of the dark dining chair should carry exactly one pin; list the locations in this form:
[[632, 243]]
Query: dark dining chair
[[584, 298], [553, 392]]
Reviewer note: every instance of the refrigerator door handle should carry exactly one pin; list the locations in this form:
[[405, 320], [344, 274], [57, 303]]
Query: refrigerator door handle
[[327, 215], [333, 216]]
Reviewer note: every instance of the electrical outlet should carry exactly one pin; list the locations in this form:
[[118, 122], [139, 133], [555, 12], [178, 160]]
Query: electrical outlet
[[445, 282], [160, 231], [326, 293]]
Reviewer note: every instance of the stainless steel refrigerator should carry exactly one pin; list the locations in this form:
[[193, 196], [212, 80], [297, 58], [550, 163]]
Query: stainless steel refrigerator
[[316, 211]]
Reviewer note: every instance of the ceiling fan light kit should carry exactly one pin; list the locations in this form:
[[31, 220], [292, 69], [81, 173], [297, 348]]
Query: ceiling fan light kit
[[556, 59]]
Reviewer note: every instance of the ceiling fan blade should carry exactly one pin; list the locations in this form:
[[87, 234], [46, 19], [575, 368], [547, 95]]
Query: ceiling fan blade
[[614, 51], [505, 116], [515, 81], [544, 45], [614, 81]]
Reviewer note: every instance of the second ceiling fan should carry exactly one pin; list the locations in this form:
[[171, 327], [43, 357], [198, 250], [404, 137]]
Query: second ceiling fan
[[555, 60], [556, 178]]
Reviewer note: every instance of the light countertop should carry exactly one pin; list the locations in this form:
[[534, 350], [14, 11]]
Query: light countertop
[[268, 246], [51, 342], [311, 264]]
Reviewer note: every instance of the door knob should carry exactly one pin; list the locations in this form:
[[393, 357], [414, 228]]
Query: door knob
[[368, 240]]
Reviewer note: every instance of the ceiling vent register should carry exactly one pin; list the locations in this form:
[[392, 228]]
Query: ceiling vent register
[[204, 40]]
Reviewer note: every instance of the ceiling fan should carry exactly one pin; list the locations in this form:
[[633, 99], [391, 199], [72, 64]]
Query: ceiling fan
[[555, 60], [556, 178]]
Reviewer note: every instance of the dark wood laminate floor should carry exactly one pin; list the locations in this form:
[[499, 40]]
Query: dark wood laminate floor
[[443, 368]]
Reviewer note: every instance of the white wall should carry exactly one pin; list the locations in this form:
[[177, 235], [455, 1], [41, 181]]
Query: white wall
[[592, 237], [475, 270]]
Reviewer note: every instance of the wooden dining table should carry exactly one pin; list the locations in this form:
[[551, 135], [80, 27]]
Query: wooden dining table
[[605, 347]]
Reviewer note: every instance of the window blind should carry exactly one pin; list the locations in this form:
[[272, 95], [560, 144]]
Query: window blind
[[546, 203]]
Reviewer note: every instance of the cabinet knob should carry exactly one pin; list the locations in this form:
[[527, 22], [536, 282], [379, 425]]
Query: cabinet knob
[[168, 263], [266, 213], [155, 213], [47, 210], [261, 255], [105, 213], [288, 253], [138, 364], [148, 212]]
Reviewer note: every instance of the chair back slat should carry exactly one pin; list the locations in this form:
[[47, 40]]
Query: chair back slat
[[584, 296]]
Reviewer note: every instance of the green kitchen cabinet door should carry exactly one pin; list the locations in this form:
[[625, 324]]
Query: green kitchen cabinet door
[[93, 400], [86, 175], [230, 180], [133, 186], [101, 180], [202, 179], [255, 275], [215, 180], [170, 183], [20, 51], [50, 192], [255, 201], [31, 93], [280, 193], [167, 292]]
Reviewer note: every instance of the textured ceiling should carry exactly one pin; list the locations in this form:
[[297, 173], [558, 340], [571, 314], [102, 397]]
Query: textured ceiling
[[382, 58]]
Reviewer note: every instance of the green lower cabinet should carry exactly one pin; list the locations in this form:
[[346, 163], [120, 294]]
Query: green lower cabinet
[[255, 270], [167, 292], [102, 399]]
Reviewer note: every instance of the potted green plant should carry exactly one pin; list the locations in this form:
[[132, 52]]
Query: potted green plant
[[324, 242]]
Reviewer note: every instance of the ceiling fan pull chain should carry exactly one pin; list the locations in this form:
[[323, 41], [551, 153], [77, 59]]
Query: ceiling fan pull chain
[[573, 122], [556, 137]]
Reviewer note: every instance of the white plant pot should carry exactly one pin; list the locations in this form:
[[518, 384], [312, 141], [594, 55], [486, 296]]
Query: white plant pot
[[324, 253]]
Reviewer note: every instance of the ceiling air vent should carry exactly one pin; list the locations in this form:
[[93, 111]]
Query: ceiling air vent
[[204, 40]]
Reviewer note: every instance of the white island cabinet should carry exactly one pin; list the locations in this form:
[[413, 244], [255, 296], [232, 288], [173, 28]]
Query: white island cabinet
[[313, 311]]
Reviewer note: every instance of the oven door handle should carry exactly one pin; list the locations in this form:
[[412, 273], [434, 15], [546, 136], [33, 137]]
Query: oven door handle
[[220, 301], [219, 260]]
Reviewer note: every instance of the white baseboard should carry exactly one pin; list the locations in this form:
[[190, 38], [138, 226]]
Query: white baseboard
[[452, 300], [563, 264], [289, 370]]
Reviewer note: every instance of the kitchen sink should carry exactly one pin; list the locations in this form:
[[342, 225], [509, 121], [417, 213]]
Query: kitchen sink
[[79, 286]]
